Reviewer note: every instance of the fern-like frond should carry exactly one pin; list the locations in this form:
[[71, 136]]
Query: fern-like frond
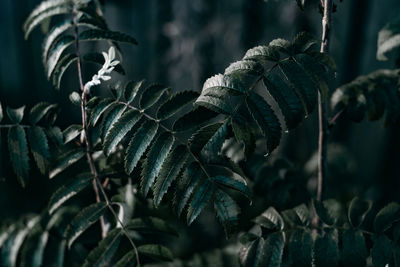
[[374, 95], [292, 72]]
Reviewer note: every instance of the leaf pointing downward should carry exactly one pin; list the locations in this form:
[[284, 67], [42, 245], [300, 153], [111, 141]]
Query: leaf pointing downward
[[139, 144], [83, 220], [119, 130], [169, 172], [103, 253], [154, 160], [18, 149]]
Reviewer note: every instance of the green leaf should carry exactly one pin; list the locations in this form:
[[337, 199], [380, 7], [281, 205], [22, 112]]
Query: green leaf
[[273, 250], [99, 109], [35, 20], [354, 250], [62, 65], [18, 150], [139, 143], [119, 130], [55, 135], [303, 42], [270, 219], [251, 255], [186, 185], [193, 119], [236, 183], [358, 209], [316, 72], [170, 170], [300, 248], [266, 119], [55, 53], [33, 249], [151, 95], [301, 82], [223, 82], [326, 252], [200, 199], [152, 225], [227, 211], [72, 132], [203, 136], [39, 111], [386, 217], [111, 117], [214, 145], [323, 213], [243, 134], [69, 190], [262, 54], [244, 67], [99, 59], [39, 147], [53, 35], [298, 216], [11, 246], [131, 90], [381, 251], [155, 251], [282, 45], [288, 102], [103, 253], [16, 115], [65, 161], [216, 104], [388, 39], [97, 34], [156, 156], [128, 260], [175, 104], [83, 220]]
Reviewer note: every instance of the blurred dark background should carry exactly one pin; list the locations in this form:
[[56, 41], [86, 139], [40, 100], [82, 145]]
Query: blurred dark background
[[183, 42]]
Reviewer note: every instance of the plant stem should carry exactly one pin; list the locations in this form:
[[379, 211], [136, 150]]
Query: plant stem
[[96, 180], [90, 160], [322, 105]]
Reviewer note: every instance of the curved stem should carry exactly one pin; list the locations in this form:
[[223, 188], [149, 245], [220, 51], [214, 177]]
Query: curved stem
[[322, 105], [335, 118], [96, 181], [90, 160]]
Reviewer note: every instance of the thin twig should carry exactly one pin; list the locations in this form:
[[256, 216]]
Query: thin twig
[[332, 122], [322, 105], [96, 181], [322, 111], [84, 126]]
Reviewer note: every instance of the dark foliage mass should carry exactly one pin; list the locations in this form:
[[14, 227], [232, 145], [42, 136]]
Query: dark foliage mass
[[156, 176]]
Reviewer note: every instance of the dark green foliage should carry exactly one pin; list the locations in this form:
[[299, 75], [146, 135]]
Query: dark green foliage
[[23, 138], [83, 220], [102, 255], [69, 190], [374, 95], [339, 243], [177, 148], [293, 81]]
